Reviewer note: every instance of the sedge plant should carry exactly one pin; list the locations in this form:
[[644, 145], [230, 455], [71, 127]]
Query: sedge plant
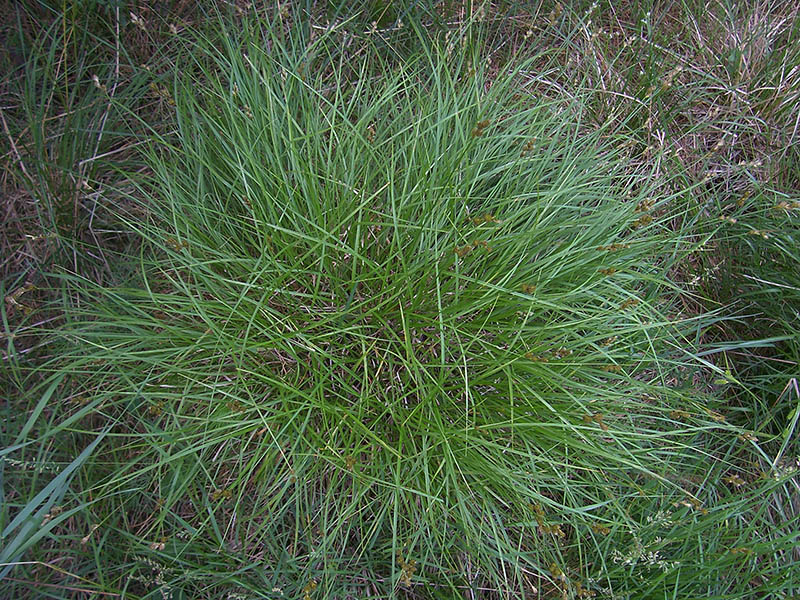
[[396, 329]]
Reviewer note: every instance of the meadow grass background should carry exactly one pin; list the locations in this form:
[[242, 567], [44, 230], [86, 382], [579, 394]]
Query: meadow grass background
[[419, 300]]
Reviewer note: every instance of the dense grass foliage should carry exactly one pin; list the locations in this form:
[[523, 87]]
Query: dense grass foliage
[[394, 328]]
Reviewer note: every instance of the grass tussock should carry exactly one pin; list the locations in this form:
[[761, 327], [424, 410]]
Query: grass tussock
[[451, 325]]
